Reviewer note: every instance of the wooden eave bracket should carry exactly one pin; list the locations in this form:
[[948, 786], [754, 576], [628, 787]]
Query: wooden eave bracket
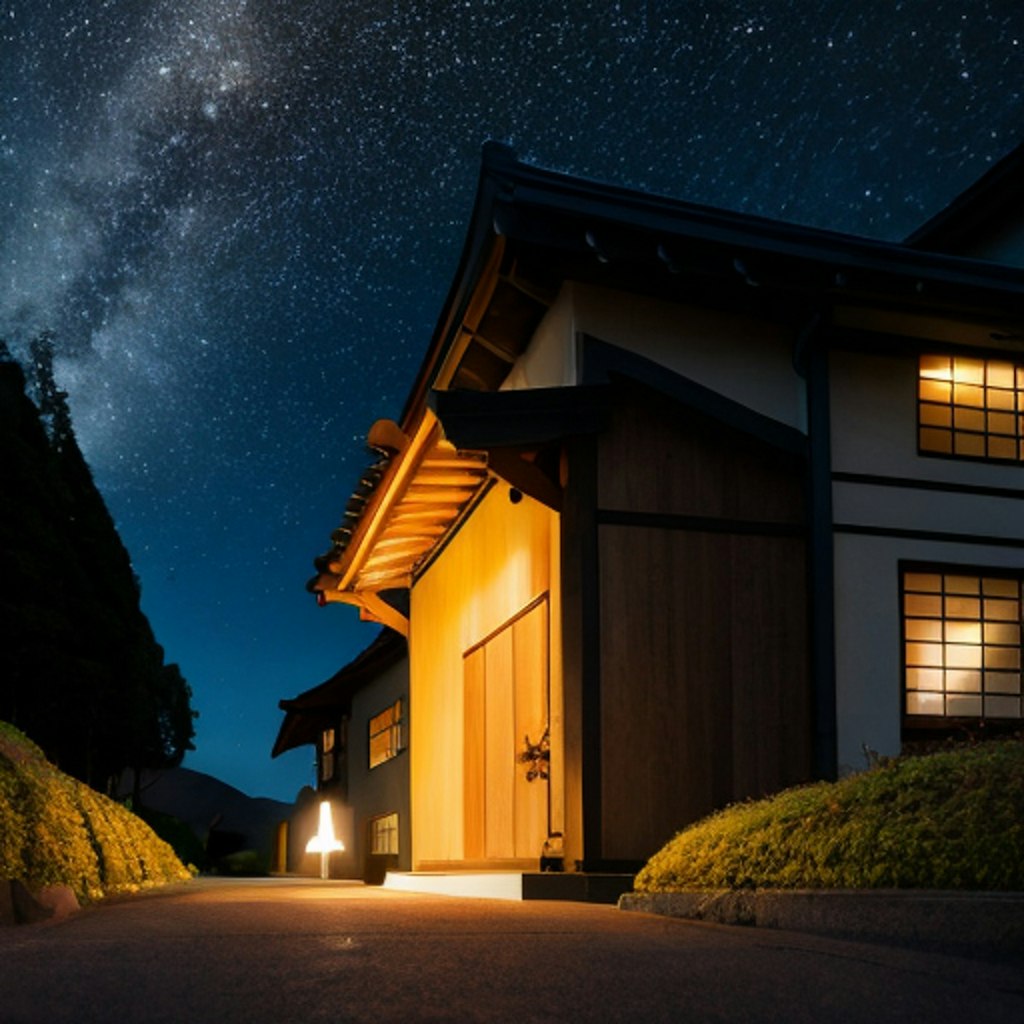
[[525, 476], [372, 608], [427, 485]]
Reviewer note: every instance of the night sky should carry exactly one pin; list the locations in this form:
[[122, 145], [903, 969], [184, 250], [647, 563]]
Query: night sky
[[241, 219]]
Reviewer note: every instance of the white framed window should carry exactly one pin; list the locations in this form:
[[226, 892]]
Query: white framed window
[[962, 652]]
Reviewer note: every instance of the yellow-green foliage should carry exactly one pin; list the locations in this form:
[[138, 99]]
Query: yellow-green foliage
[[56, 830], [953, 820]]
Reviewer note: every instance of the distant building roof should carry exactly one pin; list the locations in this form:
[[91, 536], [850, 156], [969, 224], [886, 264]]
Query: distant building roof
[[314, 710]]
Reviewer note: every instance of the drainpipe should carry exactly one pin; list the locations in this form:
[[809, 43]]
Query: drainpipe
[[810, 358]]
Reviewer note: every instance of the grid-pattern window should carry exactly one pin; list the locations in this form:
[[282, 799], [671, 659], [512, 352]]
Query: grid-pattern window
[[387, 734], [971, 408], [962, 644], [384, 834]]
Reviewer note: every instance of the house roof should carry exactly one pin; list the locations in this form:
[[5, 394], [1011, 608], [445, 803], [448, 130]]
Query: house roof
[[531, 230], [408, 503], [314, 710], [976, 211]]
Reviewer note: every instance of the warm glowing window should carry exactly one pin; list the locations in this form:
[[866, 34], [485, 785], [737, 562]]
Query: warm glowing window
[[387, 734], [973, 408], [327, 755], [962, 644], [384, 834]]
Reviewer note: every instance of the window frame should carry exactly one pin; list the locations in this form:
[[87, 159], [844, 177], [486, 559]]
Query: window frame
[[328, 753], [931, 380], [957, 723], [393, 728], [391, 833]]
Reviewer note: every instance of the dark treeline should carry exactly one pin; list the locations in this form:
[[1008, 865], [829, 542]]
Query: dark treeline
[[80, 670]]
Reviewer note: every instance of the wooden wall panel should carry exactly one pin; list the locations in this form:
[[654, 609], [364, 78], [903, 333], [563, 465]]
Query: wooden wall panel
[[530, 653], [474, 779], [704, 678], [500, 748], [659, 458], [705, 696], [498, 563]]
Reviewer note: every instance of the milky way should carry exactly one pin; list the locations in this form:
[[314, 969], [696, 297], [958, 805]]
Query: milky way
[[241, 218]]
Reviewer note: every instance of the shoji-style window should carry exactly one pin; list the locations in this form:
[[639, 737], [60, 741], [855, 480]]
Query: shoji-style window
[[962, 644], [387, 734], [971, 408], [384, 834]]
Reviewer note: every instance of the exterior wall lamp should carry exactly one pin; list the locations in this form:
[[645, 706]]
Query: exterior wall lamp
[[324, 842]]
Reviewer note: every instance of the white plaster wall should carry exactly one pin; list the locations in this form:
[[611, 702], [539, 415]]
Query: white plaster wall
[[867, 612], [874, 431], [874, 425], [550, 359], [904, 508], [740, 357]]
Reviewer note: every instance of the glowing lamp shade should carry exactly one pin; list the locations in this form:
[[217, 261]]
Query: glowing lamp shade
[[324, 842]]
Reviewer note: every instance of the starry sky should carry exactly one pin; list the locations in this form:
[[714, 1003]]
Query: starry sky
[[241, 217]]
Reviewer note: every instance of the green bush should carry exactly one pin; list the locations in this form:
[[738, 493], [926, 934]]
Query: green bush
[[56, 830], [950, 820], [178, 834], [243, 864]]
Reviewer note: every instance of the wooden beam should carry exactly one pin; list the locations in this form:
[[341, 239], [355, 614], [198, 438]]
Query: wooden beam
[[390, 491], [433, 496], [373, 608], [526, 477]]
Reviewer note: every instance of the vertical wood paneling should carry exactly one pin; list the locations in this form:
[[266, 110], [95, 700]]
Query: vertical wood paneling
[[705, 694], [530, 647], [474, 779], [496, 565], [500, 747], [661, 458]]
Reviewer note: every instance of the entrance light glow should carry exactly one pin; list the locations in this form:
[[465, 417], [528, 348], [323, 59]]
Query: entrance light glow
[[324, 842]]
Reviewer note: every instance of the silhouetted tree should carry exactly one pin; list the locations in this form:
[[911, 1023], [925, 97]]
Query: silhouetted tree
[[84, 675]]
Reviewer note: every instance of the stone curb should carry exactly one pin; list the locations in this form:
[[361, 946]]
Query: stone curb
[[967, 923]]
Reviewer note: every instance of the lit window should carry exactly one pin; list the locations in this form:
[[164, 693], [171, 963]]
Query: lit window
[[962, 645], [387, 735], [327, 755], [384, 834], [971, 408]]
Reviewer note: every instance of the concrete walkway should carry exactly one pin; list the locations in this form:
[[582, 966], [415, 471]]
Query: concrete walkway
[[284, 950]]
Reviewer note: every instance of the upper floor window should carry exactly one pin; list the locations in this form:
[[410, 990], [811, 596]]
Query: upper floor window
[[962, 644], [387, 734], [328, 740], [971, 408]]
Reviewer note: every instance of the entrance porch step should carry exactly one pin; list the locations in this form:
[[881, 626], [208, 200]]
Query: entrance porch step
[[576, 887]]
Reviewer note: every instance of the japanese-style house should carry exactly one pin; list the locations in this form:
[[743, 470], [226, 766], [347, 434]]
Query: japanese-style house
[[357, 723], [685, 507]]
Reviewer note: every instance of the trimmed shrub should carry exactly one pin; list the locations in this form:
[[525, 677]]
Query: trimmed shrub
[[950, 820], [55, 830]]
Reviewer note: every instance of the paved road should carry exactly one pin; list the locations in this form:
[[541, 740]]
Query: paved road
[[287, 951]]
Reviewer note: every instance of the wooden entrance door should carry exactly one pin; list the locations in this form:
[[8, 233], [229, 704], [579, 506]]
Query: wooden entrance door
[[506, 706]]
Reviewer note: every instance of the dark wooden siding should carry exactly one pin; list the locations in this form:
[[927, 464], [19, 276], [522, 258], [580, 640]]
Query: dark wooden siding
[[705, 695]]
